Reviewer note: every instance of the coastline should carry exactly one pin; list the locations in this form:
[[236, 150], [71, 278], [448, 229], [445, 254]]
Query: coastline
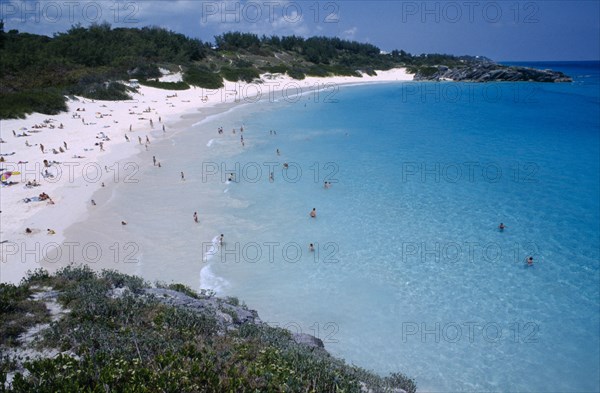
[[78, 181]]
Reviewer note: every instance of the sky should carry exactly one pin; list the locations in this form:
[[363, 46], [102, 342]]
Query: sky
[[504, 30]]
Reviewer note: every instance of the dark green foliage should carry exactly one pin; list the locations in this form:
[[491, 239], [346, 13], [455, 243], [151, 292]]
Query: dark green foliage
[[135, 343], [239, 74], [165, 85], [201, 77], [18, 104], [423, 70]]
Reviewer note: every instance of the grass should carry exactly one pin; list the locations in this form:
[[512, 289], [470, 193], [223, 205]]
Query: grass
[[135, 343]]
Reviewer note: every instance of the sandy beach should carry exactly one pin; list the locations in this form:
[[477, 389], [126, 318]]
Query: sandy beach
[[59, 162]]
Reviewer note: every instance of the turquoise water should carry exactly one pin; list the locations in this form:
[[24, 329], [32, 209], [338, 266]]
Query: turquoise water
[[409, 272]]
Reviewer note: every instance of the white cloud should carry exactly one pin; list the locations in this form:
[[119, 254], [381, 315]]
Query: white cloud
[[350, 33]]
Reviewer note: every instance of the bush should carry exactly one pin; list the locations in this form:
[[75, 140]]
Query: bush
[[240, 74], [19, 104], [165, 85], [201, 77]]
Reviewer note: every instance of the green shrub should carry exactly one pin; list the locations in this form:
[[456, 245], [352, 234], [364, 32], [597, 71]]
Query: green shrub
[[201, 77], [165, 85], [246, 74], [19, 104]]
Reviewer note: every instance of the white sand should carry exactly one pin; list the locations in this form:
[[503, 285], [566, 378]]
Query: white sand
[[76, 179]]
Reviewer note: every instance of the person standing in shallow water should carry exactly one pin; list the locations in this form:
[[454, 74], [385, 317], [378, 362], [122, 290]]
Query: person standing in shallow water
[[196, 217], [313, 213]]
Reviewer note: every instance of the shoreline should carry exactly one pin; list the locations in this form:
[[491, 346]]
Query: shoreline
[[76, 181]]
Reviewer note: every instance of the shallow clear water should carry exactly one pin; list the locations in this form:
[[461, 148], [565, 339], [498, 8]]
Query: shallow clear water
[[409, 272]]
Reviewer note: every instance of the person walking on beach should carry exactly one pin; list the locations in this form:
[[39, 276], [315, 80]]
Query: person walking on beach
[[42, 148], [278, 152], [196, 217], [140, 139], [182, 177], [126, 138], [164, 128], [313, 213], [151, 123], [65, 144], [147, 139], [130, 128], [154, 160], [221, 239]]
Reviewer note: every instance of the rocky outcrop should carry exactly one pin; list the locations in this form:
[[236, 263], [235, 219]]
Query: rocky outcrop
[[490, 72], [228, 316]]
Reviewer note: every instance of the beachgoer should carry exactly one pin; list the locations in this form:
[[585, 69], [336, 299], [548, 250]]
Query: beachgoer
[[501, 227], [126, 138], [147, 139], [123, 222], [51, 231], [93, 202], [221, 239], [182, 176], [311, 247], [196, 217], [42, 147], [164, 128], [130, 128], [271, 177], [140, 139], [154, 160], [285, 165], [278, 152], [530, 261], [65, 144], [28, 230], [313, 213]]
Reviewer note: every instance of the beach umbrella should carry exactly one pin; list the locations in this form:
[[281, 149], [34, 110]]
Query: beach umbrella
[[6, 175]]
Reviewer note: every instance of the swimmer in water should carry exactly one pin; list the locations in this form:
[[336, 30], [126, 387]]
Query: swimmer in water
[[313, 213], [221, 239], [311, 248], [530, 261], [501, 227]]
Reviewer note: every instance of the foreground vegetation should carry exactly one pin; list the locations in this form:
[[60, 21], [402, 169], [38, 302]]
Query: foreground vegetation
[[36, 72], [114, 336]]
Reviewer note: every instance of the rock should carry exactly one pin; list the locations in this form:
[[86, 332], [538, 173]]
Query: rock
[[491, 72], [308, 340]]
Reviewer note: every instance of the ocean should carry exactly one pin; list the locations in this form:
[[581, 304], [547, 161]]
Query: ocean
[[408, 269]]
